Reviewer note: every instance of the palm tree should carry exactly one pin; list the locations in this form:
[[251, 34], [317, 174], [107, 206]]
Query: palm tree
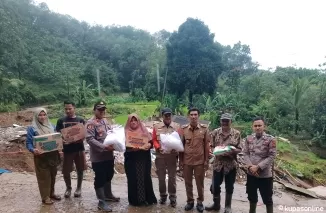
[[299, 88]]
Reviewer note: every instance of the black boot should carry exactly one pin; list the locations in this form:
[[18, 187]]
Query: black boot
[[108, 193], [67, 180], [162, 200], [269, 208], [216, 204], [189, 206], [102, 205], [200, 207], [228, 199], [252, 207], [80, 176]]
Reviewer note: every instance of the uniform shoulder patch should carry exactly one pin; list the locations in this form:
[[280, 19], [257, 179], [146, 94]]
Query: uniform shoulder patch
[[236, 131], [250, 138], [175, 125], [273, 143], [184, 126], [203, 125], [214, 132]]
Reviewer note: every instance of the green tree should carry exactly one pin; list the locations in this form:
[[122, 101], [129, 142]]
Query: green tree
[[194, 61]]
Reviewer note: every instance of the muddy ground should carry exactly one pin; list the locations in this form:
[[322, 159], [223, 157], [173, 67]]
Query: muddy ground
[[19, 193]]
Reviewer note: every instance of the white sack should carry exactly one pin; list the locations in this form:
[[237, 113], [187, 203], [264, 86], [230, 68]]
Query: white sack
[[171, 141], [116, 137]]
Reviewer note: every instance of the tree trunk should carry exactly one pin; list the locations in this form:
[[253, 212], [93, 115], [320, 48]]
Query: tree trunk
[[190, 99], [296, 128]]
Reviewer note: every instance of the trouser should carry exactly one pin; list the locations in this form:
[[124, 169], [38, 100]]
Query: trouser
[[265, 186], [104, 172], [45, 175], [199, 172], [75, 157], [218, 180], [167, 162]]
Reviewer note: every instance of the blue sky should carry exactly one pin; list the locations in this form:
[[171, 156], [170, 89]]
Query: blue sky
[[280, 33]]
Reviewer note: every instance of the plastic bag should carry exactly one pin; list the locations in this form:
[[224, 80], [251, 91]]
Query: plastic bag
[[116, 137], [219, 150], [171, 141]]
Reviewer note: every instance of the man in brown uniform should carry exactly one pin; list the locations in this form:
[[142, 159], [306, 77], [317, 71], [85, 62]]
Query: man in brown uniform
[[225, 166], [166, 161], [259, 154], [194, 159]]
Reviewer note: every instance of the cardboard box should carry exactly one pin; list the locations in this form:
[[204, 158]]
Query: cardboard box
[[136, 140], [48, 142], [74, 133]]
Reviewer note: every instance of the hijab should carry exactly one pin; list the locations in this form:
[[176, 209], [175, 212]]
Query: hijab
[[140, 128], [42, 128]]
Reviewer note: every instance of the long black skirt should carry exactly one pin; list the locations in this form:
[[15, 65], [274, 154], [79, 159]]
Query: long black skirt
[[138, 170]]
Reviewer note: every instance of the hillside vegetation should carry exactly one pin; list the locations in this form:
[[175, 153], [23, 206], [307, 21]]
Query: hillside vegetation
[[46, 57]]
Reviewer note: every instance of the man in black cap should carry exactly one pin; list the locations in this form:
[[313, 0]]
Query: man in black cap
[[101, 156], [166, 160], [225, 166]]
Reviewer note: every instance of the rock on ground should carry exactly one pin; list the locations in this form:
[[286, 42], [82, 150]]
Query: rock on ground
[[19, 193]]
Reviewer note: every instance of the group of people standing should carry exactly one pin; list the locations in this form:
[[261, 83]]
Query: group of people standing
[[259, 150]]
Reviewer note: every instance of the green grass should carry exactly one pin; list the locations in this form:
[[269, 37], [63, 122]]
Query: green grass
[[301, 162], [118, 111], [143, 109]]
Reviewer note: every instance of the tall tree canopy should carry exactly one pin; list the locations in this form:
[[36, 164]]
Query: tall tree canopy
[[194, 60]]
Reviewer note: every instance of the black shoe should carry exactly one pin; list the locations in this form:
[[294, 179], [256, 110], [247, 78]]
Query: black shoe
[[173, 203], [200, 207], [215, 206], [67, 193], [189, 206], [162, 200]]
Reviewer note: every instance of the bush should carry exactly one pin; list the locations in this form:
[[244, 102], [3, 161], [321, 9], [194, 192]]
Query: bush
[[9, 107]]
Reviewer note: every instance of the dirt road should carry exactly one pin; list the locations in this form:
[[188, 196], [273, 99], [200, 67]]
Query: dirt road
[[19, 193]]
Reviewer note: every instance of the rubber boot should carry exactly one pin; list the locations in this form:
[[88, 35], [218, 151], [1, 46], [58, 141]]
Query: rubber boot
[[173, 201], [216, 204], [80, 176], [200, 207], [252, 207], [102, 205], [189, 206], [162, 200], [108, 193], [228, 199], [269, 208], [67, 180]]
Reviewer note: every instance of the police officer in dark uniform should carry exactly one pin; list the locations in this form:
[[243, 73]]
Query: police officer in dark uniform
[[101, 156]]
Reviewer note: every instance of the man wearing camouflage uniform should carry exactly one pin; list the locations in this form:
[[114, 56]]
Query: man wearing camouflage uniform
[[225, 166], [259, 154], [166, 161]]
